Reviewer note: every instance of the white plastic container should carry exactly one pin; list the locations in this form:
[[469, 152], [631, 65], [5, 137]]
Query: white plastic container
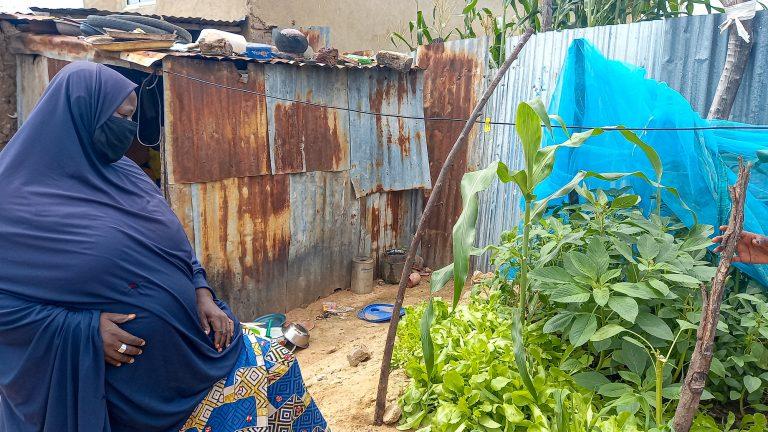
[[237, 41]]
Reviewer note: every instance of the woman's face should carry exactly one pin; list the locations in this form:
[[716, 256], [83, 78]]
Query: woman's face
[[127, 108], [113, 137]]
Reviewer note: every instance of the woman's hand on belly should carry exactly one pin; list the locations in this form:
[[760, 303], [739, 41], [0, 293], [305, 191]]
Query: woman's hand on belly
[[119, 345], [212, 317]]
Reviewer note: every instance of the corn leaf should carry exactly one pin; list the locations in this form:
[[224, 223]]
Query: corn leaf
[[427, 344], [464, 232], [440, 277], [519, 177], [528, 127]]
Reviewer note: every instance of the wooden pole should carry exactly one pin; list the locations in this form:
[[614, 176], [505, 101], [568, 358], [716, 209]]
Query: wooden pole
[[736, 60], [701, 360], [381, 395]]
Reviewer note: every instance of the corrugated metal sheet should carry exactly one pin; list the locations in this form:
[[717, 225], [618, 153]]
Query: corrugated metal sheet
[[242, 235], [216, 133], [693, 58], [452, 82], [389, 220], [31, 80], [325, 226], [304, 137], [535, 74], [388, 153]]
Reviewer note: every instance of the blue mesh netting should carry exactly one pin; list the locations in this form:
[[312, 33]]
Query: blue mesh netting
[[594, 91]]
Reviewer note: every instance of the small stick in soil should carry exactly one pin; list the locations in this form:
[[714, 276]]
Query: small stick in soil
[[381, 394], [701, 359]]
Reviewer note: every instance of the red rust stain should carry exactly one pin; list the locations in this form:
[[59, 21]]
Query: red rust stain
[[313, 37], [402, 90], [403, 138], [215, 133], [376, 101], [385, 89], [375, 221], [308, 138], [394, 200]]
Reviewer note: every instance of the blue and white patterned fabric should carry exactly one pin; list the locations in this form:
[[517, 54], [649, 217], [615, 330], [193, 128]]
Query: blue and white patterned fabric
[[265, 392]]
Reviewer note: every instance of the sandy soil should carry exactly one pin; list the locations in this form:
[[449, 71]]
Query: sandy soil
[[346, 394]]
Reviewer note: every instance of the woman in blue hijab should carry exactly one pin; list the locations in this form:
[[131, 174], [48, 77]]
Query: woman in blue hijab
[[107, 322]]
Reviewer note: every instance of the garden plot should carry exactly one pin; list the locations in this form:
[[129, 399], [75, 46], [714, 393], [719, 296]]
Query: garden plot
[[590, 322]]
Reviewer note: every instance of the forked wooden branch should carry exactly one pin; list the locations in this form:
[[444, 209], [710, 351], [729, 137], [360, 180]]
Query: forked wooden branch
[[461, 141], [701, 360]]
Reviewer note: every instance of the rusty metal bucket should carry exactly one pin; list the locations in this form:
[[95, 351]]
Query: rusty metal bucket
[[392, 266]]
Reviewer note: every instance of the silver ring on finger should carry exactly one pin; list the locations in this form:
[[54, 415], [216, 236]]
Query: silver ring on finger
[[123, 348]]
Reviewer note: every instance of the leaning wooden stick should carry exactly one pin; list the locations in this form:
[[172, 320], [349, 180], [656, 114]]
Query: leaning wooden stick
[[381, 395], [701, 360]]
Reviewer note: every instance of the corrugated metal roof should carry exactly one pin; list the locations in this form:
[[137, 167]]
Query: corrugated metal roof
[[71, 48], [452, 82], [693, 58], [225, 130], [535, 74], [388, 153], [173, 19], [304, 137]]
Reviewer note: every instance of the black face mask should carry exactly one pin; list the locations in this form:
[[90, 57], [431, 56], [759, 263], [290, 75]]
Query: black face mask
[[113, 138]]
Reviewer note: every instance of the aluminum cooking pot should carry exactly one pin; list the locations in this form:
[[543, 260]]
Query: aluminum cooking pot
[[296, 334]]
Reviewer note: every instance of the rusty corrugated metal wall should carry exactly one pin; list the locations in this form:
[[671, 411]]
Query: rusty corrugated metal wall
[[452, 82], [264, 185], [216, 133]]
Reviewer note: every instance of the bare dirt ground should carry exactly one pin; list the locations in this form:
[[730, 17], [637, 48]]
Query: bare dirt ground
[[346, 394]]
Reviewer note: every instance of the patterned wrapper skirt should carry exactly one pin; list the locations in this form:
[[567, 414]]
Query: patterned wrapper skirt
[[264, 393]]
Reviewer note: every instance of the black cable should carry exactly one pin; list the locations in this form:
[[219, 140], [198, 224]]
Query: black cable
[[464, 120]]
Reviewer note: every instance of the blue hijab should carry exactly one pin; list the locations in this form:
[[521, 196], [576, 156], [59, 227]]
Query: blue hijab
[[79, 237]]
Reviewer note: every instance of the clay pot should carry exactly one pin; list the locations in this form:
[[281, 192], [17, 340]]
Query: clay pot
[[414, 279]]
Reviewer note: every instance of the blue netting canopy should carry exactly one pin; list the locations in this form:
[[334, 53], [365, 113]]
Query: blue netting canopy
[[700, 163]]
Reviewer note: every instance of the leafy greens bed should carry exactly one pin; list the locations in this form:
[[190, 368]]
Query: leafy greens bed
[[590, 321]]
